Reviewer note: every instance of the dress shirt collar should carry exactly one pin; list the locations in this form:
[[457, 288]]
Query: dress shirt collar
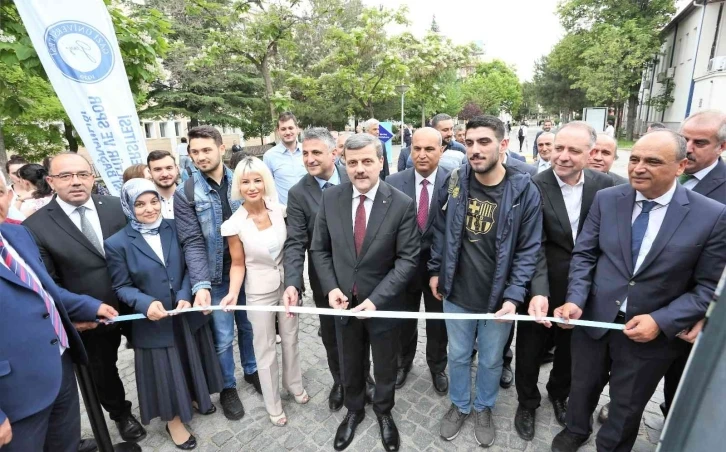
[[562, 183], [281, 148], [334, 179], [704, 172], [419, 178], [371, 193], [69, 209], [663, 199], [504, 159]]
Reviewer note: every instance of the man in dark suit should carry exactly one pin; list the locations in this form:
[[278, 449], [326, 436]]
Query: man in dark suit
[[39, 406], [546, 128], [568, 190], [373, 128], [302, 207], [519, 163], [422, 184], [649, 256], [603, 155], [69, 232], [365, 249]]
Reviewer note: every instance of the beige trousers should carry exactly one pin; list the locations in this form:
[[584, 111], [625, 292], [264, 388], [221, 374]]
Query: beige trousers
[[263, 330]]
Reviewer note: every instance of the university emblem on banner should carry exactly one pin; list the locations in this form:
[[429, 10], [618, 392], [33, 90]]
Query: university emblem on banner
[[81, 52], [480, 216]]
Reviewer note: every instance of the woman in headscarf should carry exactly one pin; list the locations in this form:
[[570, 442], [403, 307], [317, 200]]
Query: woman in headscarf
[[176, 364]]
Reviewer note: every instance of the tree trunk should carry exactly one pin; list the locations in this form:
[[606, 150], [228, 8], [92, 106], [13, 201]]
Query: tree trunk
[[194, 122], [264, 69], [632, 107], [3, 153], [369, 107], [68, 132], [423, 116]]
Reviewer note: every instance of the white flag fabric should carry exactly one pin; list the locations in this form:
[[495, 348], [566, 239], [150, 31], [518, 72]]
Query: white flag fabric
[[77, 46]]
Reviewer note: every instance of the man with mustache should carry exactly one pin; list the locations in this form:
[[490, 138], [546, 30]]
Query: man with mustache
[[164, 174], [603, 155]]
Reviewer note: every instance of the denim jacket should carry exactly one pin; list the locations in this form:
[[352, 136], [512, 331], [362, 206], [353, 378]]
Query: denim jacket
[[199, 232]]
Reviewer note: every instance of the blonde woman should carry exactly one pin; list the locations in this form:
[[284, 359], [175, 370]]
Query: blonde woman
[[256, 234]]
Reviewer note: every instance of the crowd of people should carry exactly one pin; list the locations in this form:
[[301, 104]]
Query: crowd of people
[[464, 224]]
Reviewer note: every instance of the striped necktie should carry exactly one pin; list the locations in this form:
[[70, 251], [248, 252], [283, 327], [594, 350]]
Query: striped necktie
[[22, 272]]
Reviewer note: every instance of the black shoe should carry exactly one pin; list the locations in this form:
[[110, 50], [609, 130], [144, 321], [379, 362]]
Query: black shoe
[[505, 381], [524, 423], [346, 430], [130, 429], [441, 382], [389, 433], [208, 412], [602, 417], [560, 407], [231, 404], [566, 441], [370, 392], [335, 399], [401, 375], [549, 357], [87, 445], [320, 332], [254, 380], [189, 444], [664, 409]]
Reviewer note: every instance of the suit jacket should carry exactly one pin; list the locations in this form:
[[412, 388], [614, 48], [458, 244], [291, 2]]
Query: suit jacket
[[618, 179], [385, 171], [675, 282], [71, 260], [303, 202], [714, 184], [403, 158], [389, 255], [139, 278], [515, 156], [406, 182], [263, 274], [521, 166], [550, 278], [30, 363]]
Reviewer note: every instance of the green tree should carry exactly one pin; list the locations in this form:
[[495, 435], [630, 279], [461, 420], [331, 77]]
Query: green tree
[[494, 87], [554, 77]]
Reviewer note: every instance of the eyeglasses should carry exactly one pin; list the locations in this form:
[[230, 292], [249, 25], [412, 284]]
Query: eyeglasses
[[65, 177]]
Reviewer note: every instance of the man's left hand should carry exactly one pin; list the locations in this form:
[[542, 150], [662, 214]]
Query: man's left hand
[[642, 328], [691, 334], [507, 308], [365, 306], [106, 312], [84, 326]]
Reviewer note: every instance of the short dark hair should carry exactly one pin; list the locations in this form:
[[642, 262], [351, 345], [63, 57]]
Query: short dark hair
[[438, 118], [488, 121], [134, 172], [36, 174], [236, 158], [284, 117], [183, 139], [611, 122], [157, 155], [547, 120], [15, 160], [657, 125], [206, 132]]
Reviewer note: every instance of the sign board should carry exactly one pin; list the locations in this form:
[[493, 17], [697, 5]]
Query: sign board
[[385, 134], [596, 117], [77, 45]]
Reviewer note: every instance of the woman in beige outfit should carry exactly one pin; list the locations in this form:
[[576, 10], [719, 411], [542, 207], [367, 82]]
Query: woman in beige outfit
[[256, 234]]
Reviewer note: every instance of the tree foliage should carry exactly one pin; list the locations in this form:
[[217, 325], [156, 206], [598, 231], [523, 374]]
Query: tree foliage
[[494, 87]]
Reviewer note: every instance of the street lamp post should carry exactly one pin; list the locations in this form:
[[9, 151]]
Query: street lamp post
[[402, 91]]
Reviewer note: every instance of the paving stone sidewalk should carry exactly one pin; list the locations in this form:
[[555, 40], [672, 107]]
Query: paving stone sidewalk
[[312, 427]]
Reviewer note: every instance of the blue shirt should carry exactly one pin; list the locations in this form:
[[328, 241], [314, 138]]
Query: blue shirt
[[334, 179], [287, 168]]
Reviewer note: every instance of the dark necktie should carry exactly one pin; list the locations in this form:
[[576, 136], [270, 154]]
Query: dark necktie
[[22, 272], [640, 225], [423, 205], [327, 185], [683, 178], [359, 230]]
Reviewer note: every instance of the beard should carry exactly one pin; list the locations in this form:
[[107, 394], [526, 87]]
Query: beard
[[489, 163]]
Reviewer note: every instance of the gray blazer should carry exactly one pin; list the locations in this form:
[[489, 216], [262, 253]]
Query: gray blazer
[[389, 255]]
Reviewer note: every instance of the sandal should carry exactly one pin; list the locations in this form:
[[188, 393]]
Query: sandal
[[303, 398], [280, 420]]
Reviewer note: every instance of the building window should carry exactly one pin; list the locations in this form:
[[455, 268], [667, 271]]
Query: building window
[[177, 129], [162, 129], [149, 129]]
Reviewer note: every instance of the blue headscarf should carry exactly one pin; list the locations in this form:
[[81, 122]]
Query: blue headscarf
[[130, 192]]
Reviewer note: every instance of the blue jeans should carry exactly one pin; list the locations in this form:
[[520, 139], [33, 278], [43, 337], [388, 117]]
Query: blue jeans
[[223, 328], [491, 337]]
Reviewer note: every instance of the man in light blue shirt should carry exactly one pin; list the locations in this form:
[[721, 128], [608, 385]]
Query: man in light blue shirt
[[285, 159]]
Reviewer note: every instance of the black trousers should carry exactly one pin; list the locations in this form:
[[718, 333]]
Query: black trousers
[[436, 338], [673, 377], [634, 371], [102, 350], [354, 340], [521, 143], [56, 428], [532, 343]]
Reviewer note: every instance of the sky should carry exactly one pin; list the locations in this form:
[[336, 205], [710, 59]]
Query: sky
[[515, 31]]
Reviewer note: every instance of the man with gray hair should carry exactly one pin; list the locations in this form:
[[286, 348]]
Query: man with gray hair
[[365, 249], [373, 128], [649, 258], [568, 189], [340, 144]]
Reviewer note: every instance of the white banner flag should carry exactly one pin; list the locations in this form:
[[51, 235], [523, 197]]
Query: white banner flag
[[77, 45]]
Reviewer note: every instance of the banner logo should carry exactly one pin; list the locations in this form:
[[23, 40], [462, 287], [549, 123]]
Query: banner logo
[[81, 52]]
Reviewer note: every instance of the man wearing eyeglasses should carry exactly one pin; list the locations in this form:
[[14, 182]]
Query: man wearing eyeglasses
[[70, 231]]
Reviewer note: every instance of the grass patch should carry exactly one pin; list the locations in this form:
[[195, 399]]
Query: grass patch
[[625, 144]]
